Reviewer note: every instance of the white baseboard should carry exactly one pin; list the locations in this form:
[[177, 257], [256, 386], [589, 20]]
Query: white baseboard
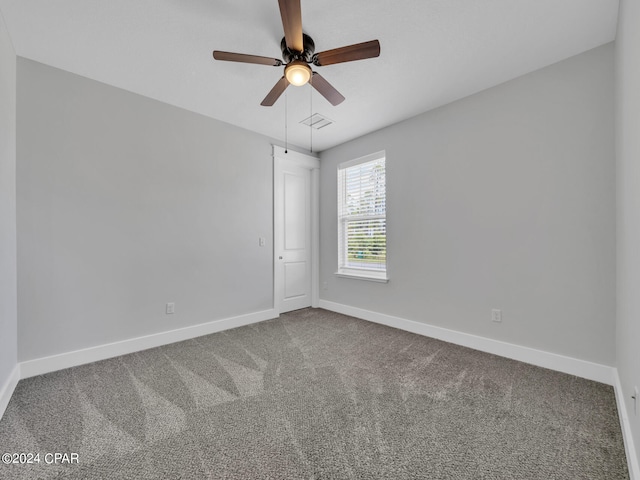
[[632, 459], [7, 389], [552, 361], [39, 366]]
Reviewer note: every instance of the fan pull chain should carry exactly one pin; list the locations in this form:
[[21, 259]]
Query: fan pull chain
[[285, 122], [311, 113]]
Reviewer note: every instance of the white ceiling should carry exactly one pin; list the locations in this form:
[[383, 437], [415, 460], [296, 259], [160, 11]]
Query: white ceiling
[[432, 52]]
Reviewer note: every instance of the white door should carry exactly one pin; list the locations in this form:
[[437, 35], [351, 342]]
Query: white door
[[293, 240]]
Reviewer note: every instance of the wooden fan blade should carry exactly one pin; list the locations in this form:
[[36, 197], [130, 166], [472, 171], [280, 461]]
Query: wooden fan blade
[[359, 51], [275, 92], [292, 23], [241, 57], [326, 89]]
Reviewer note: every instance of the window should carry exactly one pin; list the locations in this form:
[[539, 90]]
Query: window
[[362, 219]]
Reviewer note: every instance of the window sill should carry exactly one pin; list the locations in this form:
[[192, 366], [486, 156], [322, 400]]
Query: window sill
[[380, 277]]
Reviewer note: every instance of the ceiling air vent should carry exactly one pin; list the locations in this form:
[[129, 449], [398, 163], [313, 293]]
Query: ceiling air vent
[[317, 121]]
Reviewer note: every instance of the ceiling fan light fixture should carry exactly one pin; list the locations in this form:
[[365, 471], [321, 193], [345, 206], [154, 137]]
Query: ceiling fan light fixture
[[298, 53], [298, 73]]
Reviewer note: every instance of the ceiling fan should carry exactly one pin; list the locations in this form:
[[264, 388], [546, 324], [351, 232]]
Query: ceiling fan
[[298, 52]]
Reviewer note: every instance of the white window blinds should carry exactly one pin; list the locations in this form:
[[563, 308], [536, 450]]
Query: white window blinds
[[362, 225]]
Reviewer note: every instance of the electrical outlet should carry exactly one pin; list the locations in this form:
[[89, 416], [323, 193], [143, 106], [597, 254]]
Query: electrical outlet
[[325, 286], [496, 315], [171, 308], [261, 241]]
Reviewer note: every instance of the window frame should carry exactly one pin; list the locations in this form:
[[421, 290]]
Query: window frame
[[376, 275]]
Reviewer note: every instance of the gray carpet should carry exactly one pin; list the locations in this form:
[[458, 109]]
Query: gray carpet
[[314, 395]]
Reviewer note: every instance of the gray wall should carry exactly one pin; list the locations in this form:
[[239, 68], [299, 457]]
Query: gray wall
[[505, 199], [8, 315], [125, 204], [628, 205]]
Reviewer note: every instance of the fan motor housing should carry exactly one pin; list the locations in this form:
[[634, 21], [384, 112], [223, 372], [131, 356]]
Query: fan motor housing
[[309, 47]]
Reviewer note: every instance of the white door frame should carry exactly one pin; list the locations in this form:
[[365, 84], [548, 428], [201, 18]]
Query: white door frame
[[281, 158]]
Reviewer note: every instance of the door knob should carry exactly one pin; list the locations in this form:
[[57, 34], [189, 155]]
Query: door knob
[[280, 257]]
